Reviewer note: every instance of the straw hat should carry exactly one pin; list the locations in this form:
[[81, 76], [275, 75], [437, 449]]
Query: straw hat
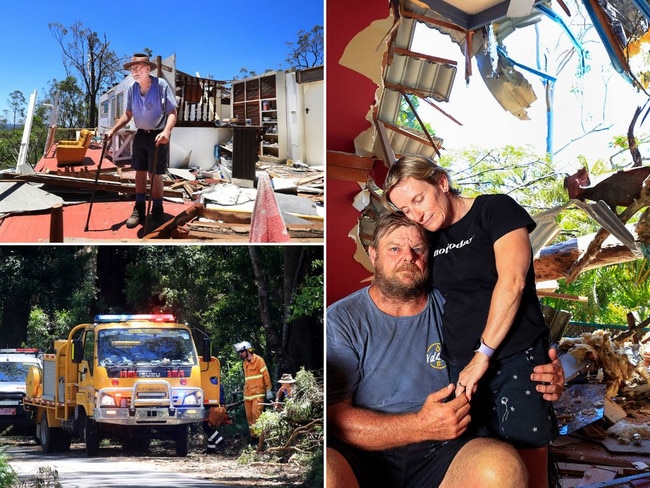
[[140, 58], [286, 378]]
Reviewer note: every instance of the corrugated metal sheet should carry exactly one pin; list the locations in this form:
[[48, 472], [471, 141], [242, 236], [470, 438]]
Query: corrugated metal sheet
[[434, 80], [389, 107]]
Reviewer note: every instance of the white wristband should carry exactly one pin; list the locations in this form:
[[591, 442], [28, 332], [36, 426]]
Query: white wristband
[[485, 349]]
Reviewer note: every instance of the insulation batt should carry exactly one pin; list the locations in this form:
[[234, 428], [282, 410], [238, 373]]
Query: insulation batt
[[599, 348]]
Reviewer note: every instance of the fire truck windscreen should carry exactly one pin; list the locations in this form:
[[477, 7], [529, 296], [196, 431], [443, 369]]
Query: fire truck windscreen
[[146, 346]]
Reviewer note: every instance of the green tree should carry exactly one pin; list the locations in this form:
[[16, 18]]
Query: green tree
[[530, 178], [72, 109], [91, 58], [53, 279], [406, 116], [17, 104], [308, 50]]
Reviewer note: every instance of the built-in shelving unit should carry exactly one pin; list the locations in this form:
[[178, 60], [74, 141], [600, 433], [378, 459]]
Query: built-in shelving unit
[[261, 101]]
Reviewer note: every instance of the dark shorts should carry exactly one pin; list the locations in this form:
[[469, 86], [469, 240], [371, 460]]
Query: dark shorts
[[412, 466], [507, 405], [144, 149]]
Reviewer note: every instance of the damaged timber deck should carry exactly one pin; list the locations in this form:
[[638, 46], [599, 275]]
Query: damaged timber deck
[[53, 204]]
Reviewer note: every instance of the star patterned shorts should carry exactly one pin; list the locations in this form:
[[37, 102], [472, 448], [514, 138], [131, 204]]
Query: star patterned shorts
[[509, 407]]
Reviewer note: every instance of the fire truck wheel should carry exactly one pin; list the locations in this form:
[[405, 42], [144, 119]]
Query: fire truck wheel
[[47, 442], [91, 437], [182, 440]]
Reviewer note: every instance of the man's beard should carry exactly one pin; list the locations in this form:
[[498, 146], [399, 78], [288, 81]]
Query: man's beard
[[396, 286]]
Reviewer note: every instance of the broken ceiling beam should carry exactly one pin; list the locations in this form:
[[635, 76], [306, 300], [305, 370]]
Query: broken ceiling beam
[[348, 166]]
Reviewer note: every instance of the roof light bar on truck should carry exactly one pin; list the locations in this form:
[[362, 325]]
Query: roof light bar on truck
[[105, 318]]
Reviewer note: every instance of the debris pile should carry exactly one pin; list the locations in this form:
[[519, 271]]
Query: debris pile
[[200, 204], [604, 414]]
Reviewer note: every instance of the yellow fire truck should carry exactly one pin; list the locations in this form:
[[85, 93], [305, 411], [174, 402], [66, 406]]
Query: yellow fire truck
[[129, 378]]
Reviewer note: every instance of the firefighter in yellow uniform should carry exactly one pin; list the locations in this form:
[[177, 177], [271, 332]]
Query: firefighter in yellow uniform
[[257, 383]]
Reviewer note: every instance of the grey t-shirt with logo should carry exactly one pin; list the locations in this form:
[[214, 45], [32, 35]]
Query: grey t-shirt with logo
[[383, 363]]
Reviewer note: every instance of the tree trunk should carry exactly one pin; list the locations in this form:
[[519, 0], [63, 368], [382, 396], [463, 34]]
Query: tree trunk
[[302, 338], [273, 341]]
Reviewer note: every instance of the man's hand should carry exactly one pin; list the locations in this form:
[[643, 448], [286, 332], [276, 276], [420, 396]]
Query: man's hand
[[437, 420], [441, 420], [551, 377], [162, 138]]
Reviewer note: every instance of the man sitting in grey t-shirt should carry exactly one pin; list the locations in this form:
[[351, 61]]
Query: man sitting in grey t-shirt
[[390, 410]]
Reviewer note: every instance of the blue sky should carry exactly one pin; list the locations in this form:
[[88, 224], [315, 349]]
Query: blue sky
[[212, 37]]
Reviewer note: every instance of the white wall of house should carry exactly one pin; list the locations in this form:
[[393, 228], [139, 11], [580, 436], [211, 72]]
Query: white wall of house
[[305, 120], [313, 104]]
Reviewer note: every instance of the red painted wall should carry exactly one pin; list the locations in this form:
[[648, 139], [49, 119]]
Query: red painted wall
[[349, 97]]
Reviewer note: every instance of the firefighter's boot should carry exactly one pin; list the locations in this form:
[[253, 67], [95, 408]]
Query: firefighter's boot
[[137, 217]]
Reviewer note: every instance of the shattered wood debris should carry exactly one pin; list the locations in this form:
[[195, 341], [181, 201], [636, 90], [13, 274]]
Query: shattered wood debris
[[299, 191], [604, 416], [200, 222]]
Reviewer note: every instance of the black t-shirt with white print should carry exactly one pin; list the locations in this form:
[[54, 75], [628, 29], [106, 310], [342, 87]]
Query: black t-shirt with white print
[[464, 270]]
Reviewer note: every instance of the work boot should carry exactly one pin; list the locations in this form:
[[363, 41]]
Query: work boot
[[137, 217]]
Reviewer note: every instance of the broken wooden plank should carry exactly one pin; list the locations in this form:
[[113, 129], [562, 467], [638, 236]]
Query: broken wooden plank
[[309, 179], [348, 166], [81, 183], [613, 412], [226, 215]]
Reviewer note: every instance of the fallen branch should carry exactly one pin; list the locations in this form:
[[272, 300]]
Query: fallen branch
[[602, 234]]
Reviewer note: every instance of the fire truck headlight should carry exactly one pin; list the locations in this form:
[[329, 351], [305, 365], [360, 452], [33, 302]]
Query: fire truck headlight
[[107, 401], [191, 399]]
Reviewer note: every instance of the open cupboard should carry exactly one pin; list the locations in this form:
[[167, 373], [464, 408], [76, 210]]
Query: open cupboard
[[261, 101]]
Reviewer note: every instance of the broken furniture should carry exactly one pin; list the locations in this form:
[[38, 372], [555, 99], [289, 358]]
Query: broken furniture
[[121, 145], [73, 151], [245, 153]]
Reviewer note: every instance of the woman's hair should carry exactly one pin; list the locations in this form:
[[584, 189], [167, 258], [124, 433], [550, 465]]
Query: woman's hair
[[387, 223], [417, 167]]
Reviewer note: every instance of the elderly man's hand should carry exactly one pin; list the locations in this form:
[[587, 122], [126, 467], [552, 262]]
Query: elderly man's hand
[[551, 377]]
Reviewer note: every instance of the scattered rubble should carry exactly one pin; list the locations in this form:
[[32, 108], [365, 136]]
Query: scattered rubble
[[604, 414]]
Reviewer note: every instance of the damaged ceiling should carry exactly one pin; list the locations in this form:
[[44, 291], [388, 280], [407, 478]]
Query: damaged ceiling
[[384, 53]]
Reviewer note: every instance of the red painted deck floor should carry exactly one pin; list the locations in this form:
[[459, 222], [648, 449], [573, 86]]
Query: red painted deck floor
[[107, 219], [107, 222]]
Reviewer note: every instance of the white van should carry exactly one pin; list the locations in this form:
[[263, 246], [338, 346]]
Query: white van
[[14, 365]]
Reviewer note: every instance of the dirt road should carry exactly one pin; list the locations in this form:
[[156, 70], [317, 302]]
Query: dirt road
[[158, 467]]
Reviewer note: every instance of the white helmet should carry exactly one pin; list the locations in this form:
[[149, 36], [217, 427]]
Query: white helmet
[[243, 346]]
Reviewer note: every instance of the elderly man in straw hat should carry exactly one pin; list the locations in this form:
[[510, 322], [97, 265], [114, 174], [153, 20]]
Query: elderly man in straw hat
[[286, 389], [151, 103]]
